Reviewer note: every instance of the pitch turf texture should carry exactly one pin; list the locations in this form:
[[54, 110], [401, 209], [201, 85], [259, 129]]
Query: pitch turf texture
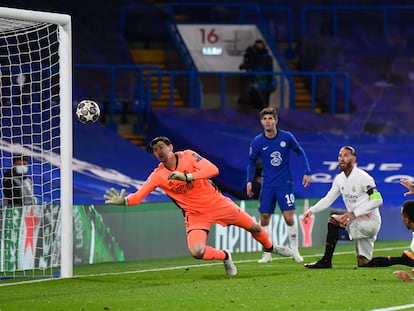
[[184, 283]]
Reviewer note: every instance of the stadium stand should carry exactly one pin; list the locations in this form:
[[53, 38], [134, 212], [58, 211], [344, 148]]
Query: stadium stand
[[381, 91]]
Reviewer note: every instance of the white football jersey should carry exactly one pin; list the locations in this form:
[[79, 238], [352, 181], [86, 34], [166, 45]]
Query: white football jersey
[[353, 189]]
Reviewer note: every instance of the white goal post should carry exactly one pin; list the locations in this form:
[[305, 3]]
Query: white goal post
[[36, 121]]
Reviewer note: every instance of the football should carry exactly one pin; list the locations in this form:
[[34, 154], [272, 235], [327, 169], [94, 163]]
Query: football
[[88, 111]]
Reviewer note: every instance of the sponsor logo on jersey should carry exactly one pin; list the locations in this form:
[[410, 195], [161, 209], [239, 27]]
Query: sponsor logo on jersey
[[197, 156]]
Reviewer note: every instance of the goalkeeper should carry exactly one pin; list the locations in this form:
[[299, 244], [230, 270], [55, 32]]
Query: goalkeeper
[[185, 177]]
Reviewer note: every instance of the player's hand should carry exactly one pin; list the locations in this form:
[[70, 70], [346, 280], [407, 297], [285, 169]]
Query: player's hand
[[181, 176], [407, 184], [306, 216], [403, 276], [346, 218], [113, 197], [249, 191], [306, 181]]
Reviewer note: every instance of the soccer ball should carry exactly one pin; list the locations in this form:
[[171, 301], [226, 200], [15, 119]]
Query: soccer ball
[[88, 111]]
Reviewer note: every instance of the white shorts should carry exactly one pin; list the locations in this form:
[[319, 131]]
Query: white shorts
[[363, 230]]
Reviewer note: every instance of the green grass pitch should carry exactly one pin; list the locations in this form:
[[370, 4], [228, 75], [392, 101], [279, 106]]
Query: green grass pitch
[[184, 283]]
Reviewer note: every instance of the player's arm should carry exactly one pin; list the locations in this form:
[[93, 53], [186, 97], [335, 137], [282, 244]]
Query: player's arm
[[297, 148], [407, 184], [203, 168], [375, 201], [251, 167], [325, 202], [306, 180], [403, 276], [137, 197], [113, 197]]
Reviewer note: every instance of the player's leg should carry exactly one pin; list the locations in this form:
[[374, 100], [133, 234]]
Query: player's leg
[[231, 214], [406, 259], [197, 240], [266, 209], [286, 201], [265, 222], [293, 234], [364, 248], [331, 240], [364, 230]]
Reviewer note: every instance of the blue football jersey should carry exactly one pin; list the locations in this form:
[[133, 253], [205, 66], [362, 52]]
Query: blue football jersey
[[275, 156]]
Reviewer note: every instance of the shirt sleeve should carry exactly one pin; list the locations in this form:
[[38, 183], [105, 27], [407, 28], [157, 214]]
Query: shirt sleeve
[[149, 185], [251, 166], [297, 148], [375, 198], [204, 169], [328, 199]]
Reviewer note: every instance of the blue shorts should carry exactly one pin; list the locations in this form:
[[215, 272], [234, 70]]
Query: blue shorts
[[282, 195]]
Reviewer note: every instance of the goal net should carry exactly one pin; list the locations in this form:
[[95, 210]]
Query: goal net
[[36, 144]]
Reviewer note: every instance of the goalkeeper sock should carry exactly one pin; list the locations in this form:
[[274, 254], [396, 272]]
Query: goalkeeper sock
[[267, 229], [263, 238], [211, 253]]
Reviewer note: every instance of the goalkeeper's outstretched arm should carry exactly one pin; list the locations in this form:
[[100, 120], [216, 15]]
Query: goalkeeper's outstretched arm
[[113, 197]]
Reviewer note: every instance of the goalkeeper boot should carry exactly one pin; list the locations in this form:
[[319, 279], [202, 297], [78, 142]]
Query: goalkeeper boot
[[320, 264], [267, 257], [283, 251], [229, 265], [296, 256]]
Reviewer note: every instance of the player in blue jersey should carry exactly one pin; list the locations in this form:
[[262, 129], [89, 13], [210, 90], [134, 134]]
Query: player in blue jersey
[[273, 147]]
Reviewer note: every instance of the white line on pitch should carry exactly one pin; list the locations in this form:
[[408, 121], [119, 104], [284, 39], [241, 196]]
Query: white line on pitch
[[395, 308], [177, 267]]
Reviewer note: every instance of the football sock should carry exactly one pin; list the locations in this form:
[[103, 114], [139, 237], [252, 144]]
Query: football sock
[[405, 259], [383, 261], [263, 238], [293, 235], [211, 253], [267, 229], [331, 239]]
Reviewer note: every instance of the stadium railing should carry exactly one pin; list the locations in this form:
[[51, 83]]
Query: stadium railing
[[148, 87], [277, 18], [389, 15], [112, 94]]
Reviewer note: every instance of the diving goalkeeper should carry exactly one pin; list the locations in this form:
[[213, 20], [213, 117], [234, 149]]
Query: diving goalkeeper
[[185, 178]]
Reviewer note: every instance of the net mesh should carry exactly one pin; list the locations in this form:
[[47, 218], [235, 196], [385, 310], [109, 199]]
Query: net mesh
[[29, 123]]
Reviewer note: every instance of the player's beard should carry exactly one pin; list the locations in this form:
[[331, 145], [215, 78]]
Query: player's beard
[[345, 166]]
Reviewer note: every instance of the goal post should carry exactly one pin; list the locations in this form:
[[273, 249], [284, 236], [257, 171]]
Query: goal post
[[36, 121]]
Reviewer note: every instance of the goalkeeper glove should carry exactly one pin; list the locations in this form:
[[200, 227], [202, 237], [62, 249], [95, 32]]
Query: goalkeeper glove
[[181, 176], [113, 197]]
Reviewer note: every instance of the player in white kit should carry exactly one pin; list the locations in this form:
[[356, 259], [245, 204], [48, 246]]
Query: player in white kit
[[362, 219]]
